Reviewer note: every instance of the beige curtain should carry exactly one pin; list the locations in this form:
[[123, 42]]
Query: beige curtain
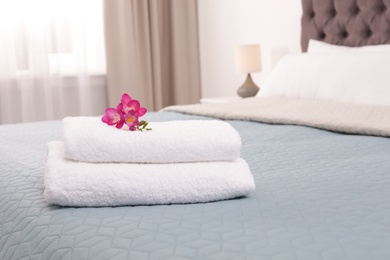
[[152, 51]]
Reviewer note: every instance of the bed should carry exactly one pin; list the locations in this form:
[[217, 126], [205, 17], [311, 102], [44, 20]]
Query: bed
[[320, 193]]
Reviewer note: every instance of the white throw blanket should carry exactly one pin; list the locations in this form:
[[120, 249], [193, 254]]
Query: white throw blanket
[[334, 116], [90, 140], [70, 183]]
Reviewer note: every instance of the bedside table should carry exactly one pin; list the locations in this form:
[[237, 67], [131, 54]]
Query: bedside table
[[219, 100]]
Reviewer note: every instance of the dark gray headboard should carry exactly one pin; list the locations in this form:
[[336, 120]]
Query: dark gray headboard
[[346, 22]]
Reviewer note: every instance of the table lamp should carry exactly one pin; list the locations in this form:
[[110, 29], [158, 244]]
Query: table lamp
[[247, 61]]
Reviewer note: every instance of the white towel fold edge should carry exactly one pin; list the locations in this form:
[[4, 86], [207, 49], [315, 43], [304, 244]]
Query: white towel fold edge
[[69, 183]]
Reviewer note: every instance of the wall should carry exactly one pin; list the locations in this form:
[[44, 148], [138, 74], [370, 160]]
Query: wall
[[223, 24]]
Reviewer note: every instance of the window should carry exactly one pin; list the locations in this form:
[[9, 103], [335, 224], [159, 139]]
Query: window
[[62, 37]]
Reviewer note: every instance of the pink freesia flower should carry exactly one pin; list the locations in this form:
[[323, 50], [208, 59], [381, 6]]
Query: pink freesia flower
[[114, 116], [127, 112], [132, 104], [131, 119]]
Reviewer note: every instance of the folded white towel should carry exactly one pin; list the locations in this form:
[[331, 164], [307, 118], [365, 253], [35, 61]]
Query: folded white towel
[[70, 183], [90, 140]]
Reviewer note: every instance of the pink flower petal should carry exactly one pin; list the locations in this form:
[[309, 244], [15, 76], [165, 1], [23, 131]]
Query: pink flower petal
[[125, 98], [142, 111], [120, 124], [134, 104], [112, 116], [119, 107], [105, 119], [131, 105]]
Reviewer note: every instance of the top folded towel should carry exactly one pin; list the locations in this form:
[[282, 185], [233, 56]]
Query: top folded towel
[[88, 139]]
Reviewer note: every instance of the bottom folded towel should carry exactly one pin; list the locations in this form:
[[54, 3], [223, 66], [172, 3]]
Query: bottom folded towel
[[71, 183]]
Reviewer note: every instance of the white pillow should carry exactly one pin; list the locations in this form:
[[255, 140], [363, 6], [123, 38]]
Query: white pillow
[[358, 77], [318, 46]]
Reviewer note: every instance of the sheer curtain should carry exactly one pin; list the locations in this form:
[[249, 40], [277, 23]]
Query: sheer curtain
[[52, 59]]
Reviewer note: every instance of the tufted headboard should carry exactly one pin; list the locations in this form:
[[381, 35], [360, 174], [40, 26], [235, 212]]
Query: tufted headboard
[[346, 22]]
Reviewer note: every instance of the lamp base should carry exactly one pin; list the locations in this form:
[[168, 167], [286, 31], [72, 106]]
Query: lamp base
[[248, 89]]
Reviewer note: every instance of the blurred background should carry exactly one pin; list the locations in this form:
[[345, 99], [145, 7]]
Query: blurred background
[[68, 58]]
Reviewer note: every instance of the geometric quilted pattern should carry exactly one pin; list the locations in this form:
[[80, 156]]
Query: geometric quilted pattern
[[319, 195]]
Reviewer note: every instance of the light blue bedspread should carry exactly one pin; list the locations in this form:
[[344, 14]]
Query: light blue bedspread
[[320, 195]]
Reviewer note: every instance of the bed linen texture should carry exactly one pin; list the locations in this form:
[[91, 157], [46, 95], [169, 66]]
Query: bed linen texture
[[320, 195]]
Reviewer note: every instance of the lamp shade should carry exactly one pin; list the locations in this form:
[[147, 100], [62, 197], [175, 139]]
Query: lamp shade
[[247, 58]]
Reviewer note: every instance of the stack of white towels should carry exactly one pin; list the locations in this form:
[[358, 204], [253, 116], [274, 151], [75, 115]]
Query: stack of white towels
[[177, 162]]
